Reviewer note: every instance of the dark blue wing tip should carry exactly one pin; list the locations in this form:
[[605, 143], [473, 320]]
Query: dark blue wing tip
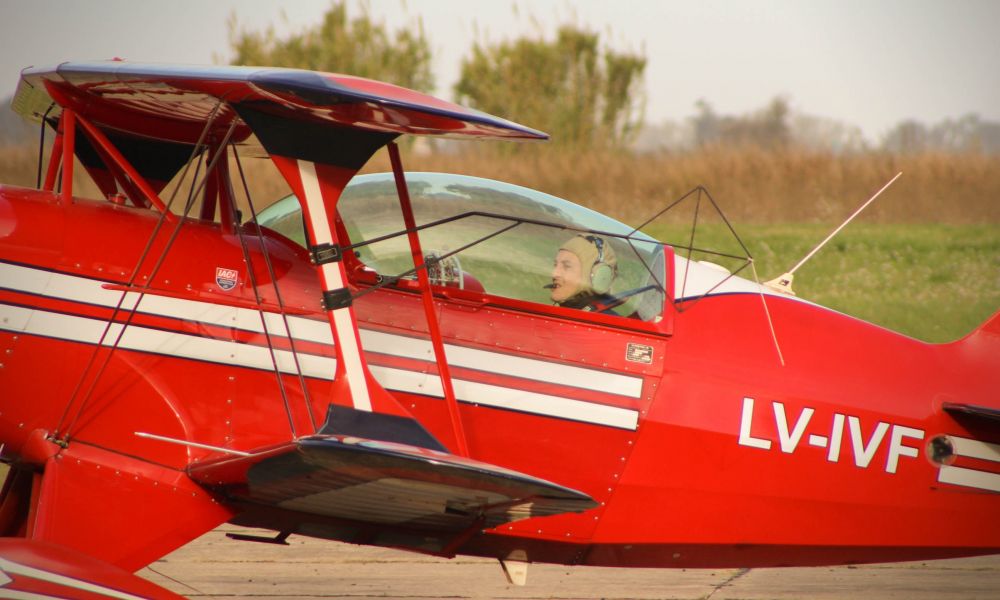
[[316, 88]]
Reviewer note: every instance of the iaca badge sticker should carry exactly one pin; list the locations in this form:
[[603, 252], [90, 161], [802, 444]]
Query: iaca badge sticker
[[226, 278]]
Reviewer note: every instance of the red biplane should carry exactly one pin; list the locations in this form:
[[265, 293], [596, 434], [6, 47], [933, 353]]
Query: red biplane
[[393, 360]]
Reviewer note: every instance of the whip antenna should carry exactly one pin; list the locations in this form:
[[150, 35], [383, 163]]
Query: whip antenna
[[784, 282]]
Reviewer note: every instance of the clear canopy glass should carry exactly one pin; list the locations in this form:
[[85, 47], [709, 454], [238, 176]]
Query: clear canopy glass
[[504, 236]]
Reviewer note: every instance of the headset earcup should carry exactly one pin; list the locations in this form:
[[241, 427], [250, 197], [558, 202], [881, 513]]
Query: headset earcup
[[601, 276]]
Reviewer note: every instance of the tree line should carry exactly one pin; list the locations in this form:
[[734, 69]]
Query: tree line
[[573, 86], [576, 88]]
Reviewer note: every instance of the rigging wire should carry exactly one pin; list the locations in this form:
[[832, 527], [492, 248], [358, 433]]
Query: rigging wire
[[694, 227], [748, 258], [149, 281], [698, 192], [277, 292], [263, 320], [135, 274], [767, 313], [661, 286], [41, 144]]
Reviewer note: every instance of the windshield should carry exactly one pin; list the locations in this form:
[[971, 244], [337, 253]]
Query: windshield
[[528, 228]]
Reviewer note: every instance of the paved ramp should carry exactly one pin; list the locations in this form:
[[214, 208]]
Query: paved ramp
[[215, 566]]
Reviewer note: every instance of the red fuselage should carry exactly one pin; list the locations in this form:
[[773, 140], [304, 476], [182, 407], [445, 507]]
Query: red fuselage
[[700, 446]]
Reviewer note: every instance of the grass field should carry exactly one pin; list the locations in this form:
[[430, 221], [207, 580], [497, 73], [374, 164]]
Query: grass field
[[932, 282]]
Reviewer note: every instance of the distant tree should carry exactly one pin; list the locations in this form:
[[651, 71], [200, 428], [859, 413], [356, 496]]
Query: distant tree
[[823, 133], [359, 46], [570, 87], [765, 128], [969, 133], [907, 137], [706, 123], [988, 137], [772, 126]]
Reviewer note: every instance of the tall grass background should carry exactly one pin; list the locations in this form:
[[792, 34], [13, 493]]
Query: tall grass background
[[924, 259]]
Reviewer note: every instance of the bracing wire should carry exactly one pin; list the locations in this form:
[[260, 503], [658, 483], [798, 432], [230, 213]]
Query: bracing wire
[[156, 267], [135, 273], [767, 313], [41, 144], [260, 307]]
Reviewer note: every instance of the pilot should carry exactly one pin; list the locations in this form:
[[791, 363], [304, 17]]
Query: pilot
[[584, 269]]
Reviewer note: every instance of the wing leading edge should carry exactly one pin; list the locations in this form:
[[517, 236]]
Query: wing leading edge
[[172, 102], [385, 485]]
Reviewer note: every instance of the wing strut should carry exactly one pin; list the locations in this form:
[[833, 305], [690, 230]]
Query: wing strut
[[462, 448], [68, 123], [66, 143]]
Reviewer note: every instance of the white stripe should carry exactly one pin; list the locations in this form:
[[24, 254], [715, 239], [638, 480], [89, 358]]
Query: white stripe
[[79, 289], [314, 200], [90, 291], [8, 566], [473, 392], [331, 274], [82, 329], [540, 370], [969, 478], [505, 364], [975, 448], [404, 380], [58, 285], [351, 354], [17, 595], [544, 404], [342, 320]]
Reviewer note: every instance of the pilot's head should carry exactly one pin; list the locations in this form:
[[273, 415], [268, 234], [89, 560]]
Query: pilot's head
[[584, 266]]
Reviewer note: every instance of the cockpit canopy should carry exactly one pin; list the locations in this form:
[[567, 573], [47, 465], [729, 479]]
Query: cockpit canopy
[[504, 237]]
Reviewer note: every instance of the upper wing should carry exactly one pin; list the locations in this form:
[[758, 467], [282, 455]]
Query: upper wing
[[173, 102], [155, 115]]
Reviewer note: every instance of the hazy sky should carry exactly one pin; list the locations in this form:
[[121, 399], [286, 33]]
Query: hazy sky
[[870, 63]]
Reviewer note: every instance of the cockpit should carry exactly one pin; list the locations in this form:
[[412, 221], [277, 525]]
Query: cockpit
[[485, 237]]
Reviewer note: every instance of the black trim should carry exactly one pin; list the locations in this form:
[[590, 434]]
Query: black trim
[[322, 254], [342, 420], [244, 537], [334, 299], [984, 413], [156, 160], [283, 134]]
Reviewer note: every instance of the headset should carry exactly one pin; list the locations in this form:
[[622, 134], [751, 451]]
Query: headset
[[601, 273]]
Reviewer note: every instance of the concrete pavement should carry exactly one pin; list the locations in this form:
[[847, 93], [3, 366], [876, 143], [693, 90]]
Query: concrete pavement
[[217, 567]]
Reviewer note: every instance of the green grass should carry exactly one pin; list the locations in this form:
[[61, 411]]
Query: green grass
[[932, 282]]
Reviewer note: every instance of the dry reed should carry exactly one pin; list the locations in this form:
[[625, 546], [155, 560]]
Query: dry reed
[[752, 185]]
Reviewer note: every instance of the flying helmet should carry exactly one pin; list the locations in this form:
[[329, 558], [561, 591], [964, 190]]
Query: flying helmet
[[598, 263]]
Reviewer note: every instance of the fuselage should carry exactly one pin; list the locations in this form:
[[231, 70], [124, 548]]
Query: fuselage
[[706, 439]]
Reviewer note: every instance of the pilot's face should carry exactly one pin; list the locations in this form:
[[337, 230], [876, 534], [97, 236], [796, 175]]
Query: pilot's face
[[567, 276]]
